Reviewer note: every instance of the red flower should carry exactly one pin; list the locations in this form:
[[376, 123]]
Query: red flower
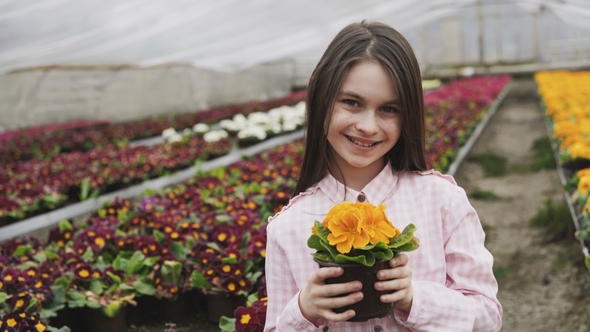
[[246, 319]]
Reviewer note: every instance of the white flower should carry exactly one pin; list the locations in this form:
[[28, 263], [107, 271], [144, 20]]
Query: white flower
[[289, 126], [240, 118], [174, 138], [253, 131], [187, 132], [215, 135], [201, 128], [168, 132], [258, 118], [274, 127], [231, 125]]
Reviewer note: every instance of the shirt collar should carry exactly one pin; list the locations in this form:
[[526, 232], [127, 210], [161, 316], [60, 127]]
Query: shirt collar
[[375, 191]]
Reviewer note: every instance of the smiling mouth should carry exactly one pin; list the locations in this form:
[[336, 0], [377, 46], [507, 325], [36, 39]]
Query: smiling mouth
[[366, 145]]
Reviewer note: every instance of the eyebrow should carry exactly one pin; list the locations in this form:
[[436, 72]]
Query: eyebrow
[[357, 96]]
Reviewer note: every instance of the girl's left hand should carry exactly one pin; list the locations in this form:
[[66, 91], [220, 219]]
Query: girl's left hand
[[398, 279]]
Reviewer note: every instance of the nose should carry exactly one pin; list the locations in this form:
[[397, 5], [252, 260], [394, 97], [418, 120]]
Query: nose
[[367, 123]]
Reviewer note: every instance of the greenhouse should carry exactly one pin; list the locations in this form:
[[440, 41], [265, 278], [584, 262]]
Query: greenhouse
[[152, 151]]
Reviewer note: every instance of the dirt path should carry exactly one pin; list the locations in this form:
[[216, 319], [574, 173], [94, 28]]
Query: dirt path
[[544, 286]]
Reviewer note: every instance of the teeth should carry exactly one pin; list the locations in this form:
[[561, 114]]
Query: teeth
[[360, 143]]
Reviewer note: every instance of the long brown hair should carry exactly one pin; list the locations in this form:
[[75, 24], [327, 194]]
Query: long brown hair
[[359, 41]]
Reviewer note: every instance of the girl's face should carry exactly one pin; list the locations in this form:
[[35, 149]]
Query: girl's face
[[366, 122]]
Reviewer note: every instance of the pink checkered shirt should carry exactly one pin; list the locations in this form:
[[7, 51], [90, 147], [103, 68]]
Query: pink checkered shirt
[[452, 280]]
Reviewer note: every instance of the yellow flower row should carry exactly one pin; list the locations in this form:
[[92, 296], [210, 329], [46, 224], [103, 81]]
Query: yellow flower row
[[567, 99], [584, 188]]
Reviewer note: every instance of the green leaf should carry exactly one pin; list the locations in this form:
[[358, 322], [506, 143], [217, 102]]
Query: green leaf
[[144, 288], [112, 309], [259, 199], [172, 271], [119, 263], [229, 260], [213, 245], [403, 238], [3, 297], [65, 225], [410, 246], [126, 287], [40, 257], [45, 314], [159, 236], [314, 242], [227, 324], [51, 255], [32, 304], [198, 281], [88, 255], [22, 250], [246, 239], [332, 250], [367, 258], [150, 261], [178, 250], [133, 264], [323, 256], [84, 189], [59, 294], [114, 277], [62, 281], [322, 231], [224, 219], [96, 286], [93, 304], [54, 329], [76, 295]]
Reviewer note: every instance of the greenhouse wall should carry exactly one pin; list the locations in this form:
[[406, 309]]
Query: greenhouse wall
[[56, 94]]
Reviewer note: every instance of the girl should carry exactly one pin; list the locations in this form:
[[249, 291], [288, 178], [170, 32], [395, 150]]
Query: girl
[[365, 142]]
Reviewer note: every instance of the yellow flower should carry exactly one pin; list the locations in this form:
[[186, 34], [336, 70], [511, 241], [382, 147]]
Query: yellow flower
[[345, 227], [584, 185], [377, 225]]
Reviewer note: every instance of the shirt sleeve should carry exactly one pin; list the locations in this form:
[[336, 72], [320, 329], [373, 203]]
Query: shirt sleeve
[[468, 300], [283, 312]]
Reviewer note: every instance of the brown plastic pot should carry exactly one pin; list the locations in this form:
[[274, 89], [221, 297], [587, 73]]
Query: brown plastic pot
[[370, 306]]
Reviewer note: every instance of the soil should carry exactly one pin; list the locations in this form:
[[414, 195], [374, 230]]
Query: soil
[[543, 285]]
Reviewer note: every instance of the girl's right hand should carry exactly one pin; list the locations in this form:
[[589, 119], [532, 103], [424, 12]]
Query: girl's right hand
[[317, 299]]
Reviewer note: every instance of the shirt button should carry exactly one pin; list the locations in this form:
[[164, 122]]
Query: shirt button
[[361, 198]]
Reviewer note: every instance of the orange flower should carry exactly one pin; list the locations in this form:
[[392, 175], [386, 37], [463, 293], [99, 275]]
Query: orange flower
[[377, 225], [345, 226]]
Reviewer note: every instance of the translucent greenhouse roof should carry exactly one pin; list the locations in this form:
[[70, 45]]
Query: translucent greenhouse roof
[[219, 34]]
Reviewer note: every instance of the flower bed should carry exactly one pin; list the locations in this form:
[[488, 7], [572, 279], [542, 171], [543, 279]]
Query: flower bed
[[206, 235], [566, 99], [50, 140], [33, 187], [453, 111]]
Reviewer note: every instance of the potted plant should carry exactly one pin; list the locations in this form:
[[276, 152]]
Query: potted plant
[[359, 238], [226, 278]]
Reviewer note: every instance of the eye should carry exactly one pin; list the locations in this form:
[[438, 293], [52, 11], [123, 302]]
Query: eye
[[390, 109], [350, 102]]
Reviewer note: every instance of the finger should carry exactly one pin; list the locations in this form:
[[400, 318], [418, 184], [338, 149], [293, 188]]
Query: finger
[[339, 301], [399, 260], [337, 290], [341, 317], [393, 284], [395, 296], [324, 273]]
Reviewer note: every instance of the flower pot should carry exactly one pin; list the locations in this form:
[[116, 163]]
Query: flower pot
[[97, 321], [223, 304], [370, 306]]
